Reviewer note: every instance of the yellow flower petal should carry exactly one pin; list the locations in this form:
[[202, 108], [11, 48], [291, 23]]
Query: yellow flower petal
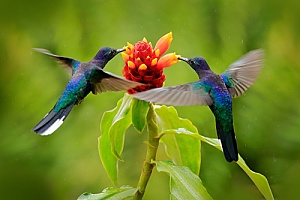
[[142, 67], [167, 60], [130, 64], [129, 48], [157, 52], [128, 51], [154, 62], [129, 45], [164, 43], [145, 40], [125, 56], [138, 61]]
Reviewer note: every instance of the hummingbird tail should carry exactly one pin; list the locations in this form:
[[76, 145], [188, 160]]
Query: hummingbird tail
[[229, 145], [52, 121]]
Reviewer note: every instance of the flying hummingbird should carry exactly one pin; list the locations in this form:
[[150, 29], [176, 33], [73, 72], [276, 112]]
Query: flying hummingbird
[[86, 77], [214, 91]]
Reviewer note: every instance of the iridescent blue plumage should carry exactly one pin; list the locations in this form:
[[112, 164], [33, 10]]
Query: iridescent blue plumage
[[86, 77], [214, 91], [76, 89]]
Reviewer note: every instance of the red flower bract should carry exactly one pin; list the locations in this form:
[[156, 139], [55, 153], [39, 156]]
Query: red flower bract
[[142, 49], [145, 65]]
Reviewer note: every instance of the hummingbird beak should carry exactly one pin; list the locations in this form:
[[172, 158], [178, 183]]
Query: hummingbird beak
[[183, 59], [121, 50]]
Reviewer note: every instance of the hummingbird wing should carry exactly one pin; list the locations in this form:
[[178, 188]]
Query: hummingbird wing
[[102, 81], [181, 95], [242, 73], [69, 63]]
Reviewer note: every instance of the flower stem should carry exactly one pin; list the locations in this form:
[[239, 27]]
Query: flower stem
[[152, 145]]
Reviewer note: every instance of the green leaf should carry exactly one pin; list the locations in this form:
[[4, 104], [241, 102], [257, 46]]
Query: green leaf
[[139, 113], [259, 180], [111, 142], [108, 159], [125, 192], [120, 123], [184, 184], [181, 149]]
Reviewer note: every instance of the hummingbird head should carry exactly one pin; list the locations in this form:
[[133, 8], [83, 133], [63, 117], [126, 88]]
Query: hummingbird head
[[197, 63], [107, 53]]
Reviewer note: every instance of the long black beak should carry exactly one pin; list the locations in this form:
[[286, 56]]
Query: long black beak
[[121, 50], [183, 59]]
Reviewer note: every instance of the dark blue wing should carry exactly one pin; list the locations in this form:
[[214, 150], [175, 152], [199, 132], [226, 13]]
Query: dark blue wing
[[102, 81], [69, 63]]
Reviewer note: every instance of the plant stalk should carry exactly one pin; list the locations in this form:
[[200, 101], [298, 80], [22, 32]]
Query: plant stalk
[[152, 146]]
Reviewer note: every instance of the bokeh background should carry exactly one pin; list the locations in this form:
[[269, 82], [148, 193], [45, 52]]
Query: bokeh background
[[66, 164]]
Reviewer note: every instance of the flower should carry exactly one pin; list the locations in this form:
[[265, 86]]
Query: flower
[[145, 65]]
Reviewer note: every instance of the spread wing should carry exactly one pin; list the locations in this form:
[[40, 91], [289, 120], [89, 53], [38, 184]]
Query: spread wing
[[69, 63], [105, 81], [181, 95], [242, 73]]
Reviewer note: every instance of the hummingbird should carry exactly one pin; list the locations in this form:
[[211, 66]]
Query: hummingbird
[[215, 91], [86, 77]]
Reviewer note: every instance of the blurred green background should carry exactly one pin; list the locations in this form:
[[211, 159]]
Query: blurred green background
[[66, 164]]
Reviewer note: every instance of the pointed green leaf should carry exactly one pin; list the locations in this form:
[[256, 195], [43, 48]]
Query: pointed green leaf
[[181, 149], [111, 141], [184, 184], [125, 192], [259, 180], [108, 159], [139, 113], [120, 123]]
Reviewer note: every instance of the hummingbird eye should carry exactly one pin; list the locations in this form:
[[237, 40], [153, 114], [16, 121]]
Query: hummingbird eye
[[112, 51], [192, 62]]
